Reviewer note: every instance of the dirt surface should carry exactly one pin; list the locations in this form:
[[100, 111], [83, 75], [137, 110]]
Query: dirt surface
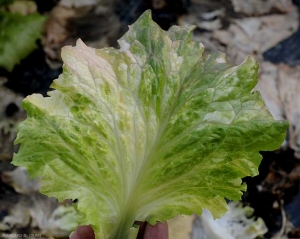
[[269, 31]]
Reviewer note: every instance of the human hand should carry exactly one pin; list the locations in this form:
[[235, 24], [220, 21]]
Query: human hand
[[146, 231]]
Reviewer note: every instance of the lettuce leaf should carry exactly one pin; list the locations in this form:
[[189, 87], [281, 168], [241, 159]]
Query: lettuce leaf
[[18, 37], [148, 131]]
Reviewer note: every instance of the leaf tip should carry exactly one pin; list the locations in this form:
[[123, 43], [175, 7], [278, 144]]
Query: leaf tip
[[80, 43]]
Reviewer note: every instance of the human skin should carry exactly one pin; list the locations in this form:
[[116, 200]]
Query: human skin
[[146, 231], [159, 231]]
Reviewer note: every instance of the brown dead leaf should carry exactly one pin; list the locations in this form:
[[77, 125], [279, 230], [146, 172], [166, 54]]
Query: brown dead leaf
[[20, 181], [260, 7], [253, 36], [289, 88], [17, 218], [57, 34], [31, 211], [98, 26], [11, 114], [210, 43], [237, 223], [203, 15], [23, 7], [268, 86]]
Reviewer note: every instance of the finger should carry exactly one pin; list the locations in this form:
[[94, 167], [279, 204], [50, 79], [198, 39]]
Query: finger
[[83, 232], [159, 231]]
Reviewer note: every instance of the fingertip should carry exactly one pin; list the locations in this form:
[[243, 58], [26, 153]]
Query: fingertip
[[159, 231], [83, 232]]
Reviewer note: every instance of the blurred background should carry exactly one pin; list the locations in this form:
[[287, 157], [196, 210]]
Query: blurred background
[[32, 34]]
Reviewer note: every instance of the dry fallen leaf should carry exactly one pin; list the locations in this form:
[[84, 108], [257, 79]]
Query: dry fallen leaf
[[253, 36], [206, 21], [238, 222], [11, 114], [259, 7], [57, 34], [32, 210], [20, 181], [23, 7], [268, 86], [97, 25], [289, 88], [17, 218]]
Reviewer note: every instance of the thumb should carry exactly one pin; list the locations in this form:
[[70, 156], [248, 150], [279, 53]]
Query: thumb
[[83, 232]]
